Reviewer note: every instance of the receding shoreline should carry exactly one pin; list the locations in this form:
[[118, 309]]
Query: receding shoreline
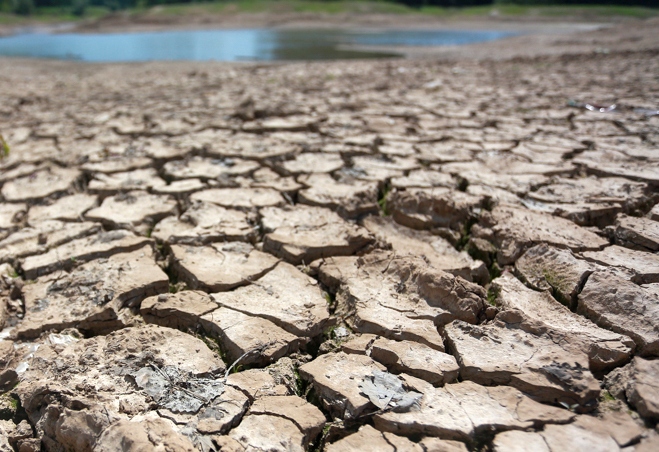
[[535, 37]]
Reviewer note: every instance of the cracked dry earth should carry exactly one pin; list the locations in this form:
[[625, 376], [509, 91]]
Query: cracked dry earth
[[391, 255]]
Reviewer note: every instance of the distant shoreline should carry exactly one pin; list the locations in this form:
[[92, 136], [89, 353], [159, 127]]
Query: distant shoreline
[[310, 14], [539, 36]]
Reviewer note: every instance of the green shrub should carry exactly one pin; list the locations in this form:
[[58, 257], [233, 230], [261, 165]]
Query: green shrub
[[78, 7], [22, 7]]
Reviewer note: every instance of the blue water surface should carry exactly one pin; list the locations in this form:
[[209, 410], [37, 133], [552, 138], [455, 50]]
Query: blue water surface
[[231, 45]]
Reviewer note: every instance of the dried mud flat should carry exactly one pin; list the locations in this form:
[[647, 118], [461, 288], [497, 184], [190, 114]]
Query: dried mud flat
[[389, 255]]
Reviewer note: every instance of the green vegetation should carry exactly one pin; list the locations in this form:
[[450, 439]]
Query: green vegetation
[[558, 287], [300, 385], [212, 343], [492, 295], [382, 200], [9, 406], [606, 396], [177, 287], [465, 234], [15, 11], [463, 184], [4, 148], [494, 270], [328, 298]]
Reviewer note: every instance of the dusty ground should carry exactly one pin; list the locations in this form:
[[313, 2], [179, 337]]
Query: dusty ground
[[386, 255]]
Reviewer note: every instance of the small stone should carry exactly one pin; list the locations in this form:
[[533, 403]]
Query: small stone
[[296, 123]]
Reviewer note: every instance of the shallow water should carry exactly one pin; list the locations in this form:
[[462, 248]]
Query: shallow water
[[231, 45]]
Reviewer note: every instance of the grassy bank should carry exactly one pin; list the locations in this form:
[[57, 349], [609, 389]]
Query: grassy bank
[[384, 7], [52, 15]]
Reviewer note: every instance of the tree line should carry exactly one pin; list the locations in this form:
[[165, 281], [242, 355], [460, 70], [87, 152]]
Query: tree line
[[78, 7]]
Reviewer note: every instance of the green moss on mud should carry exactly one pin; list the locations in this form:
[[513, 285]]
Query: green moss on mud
[[492, 295]]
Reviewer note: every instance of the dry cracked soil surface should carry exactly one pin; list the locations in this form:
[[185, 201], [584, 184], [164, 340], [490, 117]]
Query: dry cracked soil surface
[[408, 255]]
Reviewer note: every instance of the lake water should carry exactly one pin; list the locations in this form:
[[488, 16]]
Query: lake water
[[231, 45]]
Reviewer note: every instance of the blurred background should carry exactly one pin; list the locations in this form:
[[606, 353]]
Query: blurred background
[[269, 30], [71, 9]]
